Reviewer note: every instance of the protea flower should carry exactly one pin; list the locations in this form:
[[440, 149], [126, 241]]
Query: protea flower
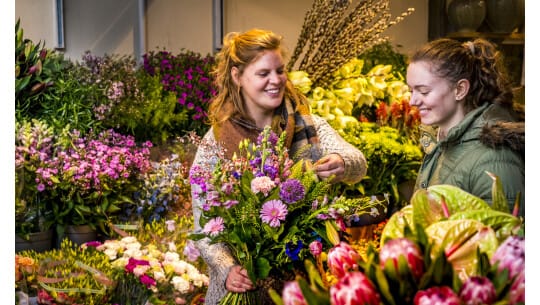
[[438, 295], [478, 290], [342, 258], [292, 295], [517, 290], [397, 247], [354, 288], [510, 255]]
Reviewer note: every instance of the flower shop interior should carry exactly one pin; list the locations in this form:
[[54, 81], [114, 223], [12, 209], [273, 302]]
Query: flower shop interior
[[111, 99]]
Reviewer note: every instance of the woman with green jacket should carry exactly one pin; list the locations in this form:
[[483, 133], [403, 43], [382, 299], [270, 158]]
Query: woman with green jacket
[[465, 99]]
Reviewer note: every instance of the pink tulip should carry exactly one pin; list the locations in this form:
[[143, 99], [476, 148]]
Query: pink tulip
[[292, 295], [342, 258], [315, 247], [397, 247], [354, 288]]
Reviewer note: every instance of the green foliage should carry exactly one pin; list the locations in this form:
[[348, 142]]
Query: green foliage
[[384, 54], [392, 159], [36, 69], [153, 115]]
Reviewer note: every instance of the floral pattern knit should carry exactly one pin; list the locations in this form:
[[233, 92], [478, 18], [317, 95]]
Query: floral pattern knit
[[217, 256]]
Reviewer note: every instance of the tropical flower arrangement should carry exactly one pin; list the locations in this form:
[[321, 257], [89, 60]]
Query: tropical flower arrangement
[[447, 247], [271, 212], [91, 176], [153, 271]]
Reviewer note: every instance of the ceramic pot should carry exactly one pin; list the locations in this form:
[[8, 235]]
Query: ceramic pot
[[504, 16], [466, 15], [80, 234], [39, 241]]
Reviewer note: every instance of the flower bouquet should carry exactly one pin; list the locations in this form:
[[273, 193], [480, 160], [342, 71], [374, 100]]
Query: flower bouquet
[[269, 211]]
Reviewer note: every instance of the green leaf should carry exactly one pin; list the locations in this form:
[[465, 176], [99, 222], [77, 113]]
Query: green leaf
[[456, 198], [459, 240], [394, 228], [503, 223], [263, 267]]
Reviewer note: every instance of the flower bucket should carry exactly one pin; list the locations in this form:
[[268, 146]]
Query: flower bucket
[[80, 234], [38, 241]]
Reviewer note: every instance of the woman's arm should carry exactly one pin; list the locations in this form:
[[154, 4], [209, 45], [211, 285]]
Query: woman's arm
[[332, 143]]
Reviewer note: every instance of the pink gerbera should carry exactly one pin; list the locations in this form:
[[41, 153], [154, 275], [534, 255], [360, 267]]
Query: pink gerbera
[[214, 226], [273, 212]]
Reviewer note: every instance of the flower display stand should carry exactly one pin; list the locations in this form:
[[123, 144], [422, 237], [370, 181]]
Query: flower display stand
[[39, 241]]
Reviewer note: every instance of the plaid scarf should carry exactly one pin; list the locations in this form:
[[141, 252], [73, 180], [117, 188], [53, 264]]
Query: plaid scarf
[[293, 118]]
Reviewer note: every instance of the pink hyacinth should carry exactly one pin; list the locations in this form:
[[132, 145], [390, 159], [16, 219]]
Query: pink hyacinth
[[342, 258], [478, 290], [354, 288], [397, 247], [292, 295], [442, 295]]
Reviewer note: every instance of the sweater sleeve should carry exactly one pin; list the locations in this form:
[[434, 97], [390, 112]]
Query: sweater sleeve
[[332, 143], [217, 256]]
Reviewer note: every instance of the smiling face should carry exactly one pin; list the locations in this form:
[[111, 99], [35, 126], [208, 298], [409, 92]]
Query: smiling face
[[437, 100], [262, 85]]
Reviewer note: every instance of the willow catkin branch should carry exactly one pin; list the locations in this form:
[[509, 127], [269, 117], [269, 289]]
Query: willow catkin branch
[[310, 21], [335, 31]]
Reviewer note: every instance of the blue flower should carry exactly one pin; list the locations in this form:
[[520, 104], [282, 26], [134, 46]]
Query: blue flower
[[291, 252]]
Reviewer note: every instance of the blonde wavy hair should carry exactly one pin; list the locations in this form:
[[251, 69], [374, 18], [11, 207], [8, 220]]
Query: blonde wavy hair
[[239, 50]]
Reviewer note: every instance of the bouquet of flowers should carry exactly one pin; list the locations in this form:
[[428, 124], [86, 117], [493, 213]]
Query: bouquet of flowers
[[270, 211]]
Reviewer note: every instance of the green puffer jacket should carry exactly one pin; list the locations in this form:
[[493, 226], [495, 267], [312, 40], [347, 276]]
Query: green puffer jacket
[[488, 139]]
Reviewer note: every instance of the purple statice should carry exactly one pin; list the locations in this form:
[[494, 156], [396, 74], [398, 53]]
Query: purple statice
[[273, 212], [291, 191]]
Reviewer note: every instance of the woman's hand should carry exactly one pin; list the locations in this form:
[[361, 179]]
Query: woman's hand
[[330, 165], [238, 280]]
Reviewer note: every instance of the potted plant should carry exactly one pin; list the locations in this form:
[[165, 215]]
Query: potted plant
[[33, 149], [92, 176]]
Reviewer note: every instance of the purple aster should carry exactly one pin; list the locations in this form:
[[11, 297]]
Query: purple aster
[[273, 212], [291, 191]]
